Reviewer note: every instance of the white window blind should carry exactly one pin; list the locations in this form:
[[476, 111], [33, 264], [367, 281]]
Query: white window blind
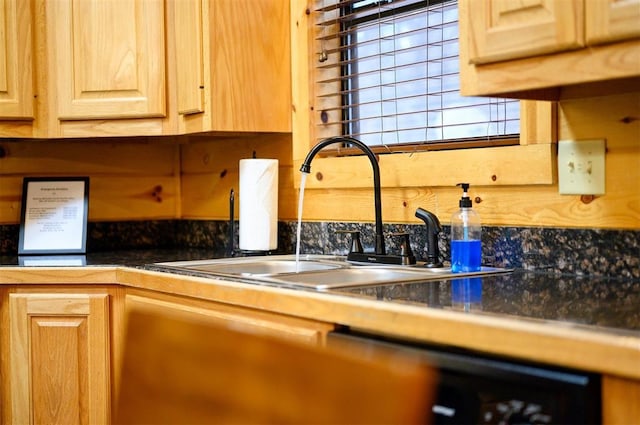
[[387, 73]]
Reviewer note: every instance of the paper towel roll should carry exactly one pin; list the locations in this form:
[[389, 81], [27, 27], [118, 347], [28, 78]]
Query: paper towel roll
[[258, 204]]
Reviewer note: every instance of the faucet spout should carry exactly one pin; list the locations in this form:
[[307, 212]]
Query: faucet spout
[[306, 168]]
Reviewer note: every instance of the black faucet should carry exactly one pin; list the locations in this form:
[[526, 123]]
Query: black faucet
[[433, 229], [379, 255]]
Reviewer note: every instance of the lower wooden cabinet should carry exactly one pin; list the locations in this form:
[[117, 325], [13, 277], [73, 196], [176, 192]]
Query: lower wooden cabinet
[[61, 345], [61, 348], [241, 318], [58, 358], [246, 319], [620, 400]]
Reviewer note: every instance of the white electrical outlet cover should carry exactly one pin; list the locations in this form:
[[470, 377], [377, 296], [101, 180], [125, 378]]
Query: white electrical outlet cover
[[581, 167]]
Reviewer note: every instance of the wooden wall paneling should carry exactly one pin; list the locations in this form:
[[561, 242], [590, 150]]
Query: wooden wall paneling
[[603, 116], [111, 198], [114, 156], [208, 153], [130, 179], [210, 170], [498, 166], [500, 206], [610, 118], [301, 89], [10, 199], [206, 196], [134, 198], [517, 185], [538, 122], [524, 191]]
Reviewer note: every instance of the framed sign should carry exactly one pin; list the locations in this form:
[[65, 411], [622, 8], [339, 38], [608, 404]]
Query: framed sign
[[54, 215]]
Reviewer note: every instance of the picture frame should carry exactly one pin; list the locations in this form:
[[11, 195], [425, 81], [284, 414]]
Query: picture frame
[[53, 217]]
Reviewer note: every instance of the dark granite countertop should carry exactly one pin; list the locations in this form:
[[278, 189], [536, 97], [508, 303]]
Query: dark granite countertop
[[607, 304], [563, 300], [129, 258]]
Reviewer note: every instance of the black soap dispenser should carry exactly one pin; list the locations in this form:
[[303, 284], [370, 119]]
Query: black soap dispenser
[[466, 246]]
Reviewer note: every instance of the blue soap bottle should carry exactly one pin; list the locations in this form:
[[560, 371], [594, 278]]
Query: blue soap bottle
[[466, 246]]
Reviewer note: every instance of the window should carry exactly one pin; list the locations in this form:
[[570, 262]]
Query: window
[[386, 73]]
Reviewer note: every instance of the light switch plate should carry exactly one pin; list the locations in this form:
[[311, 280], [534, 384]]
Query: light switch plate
[[581, 167]]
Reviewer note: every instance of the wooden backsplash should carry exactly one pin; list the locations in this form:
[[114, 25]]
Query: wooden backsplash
[[145, 178], [131, 179]]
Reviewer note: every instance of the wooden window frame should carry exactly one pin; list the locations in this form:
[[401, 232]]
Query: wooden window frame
[[532, 162]]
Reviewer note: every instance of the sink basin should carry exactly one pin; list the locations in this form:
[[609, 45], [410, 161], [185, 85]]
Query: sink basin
[[356, 276], [261, 266], [320, 272]]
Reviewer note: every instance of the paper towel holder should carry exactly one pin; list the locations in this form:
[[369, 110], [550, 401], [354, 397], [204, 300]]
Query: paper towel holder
[[258, 216]]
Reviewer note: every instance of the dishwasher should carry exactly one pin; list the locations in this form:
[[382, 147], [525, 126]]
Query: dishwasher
[[478, 389]]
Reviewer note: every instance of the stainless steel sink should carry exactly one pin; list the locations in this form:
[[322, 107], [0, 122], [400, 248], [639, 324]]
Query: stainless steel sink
[[320, 272], [262, 266], [356, 276]]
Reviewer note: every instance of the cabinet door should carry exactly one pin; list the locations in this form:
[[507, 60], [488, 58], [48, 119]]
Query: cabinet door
[[108, 56], [291, 328], [507, 29], [620, 400], [250, 65], [16, 65], [611, 20], [189, 61], [59, 358]]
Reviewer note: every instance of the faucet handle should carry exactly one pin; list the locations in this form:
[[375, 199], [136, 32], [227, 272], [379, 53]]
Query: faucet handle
[[405, 244], [356, 245], [433, 229]]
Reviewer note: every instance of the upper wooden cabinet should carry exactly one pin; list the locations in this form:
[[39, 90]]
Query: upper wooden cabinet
[[103, 70], [504, 30], [79, 68], [611, 20], [108, 57], [233, 65], [16, 69], [189, 60], [92, 68], [16, 65], [545, 49]]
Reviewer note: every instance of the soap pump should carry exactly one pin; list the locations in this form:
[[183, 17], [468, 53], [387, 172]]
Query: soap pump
[[466, 247]]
